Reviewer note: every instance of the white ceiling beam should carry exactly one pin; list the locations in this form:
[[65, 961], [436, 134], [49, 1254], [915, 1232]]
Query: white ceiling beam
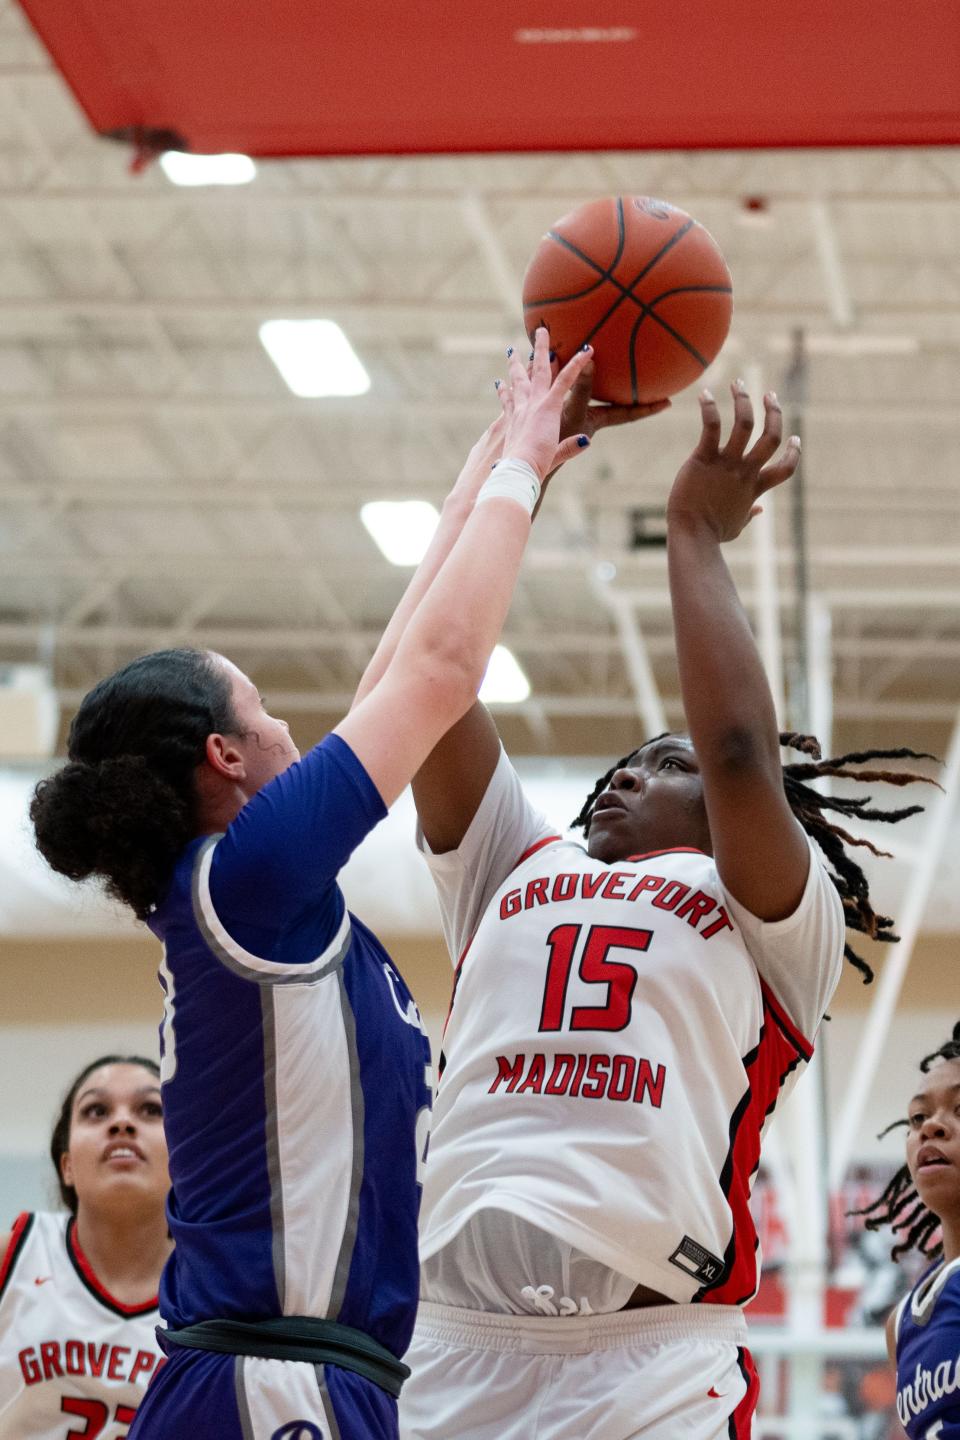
[[827, 245]]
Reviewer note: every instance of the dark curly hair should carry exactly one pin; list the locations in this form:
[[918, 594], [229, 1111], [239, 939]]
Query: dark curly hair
[[809, 806], [60, 1139], [125, 804], [900, 1205]]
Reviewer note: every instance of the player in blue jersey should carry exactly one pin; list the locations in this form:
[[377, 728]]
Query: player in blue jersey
[[923, 1200], [295, 1069]]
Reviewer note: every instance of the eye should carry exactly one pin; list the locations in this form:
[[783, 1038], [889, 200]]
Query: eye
[[672, 760], [94, 1110], [154, 1109], [917, 1119]]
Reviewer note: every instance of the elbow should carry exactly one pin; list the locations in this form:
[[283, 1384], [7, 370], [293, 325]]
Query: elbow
[[449, 680]]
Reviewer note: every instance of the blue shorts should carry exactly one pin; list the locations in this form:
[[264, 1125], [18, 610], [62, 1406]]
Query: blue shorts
[[198, 1395]]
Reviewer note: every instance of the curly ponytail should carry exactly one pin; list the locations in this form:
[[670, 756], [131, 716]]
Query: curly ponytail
[[124, 805]]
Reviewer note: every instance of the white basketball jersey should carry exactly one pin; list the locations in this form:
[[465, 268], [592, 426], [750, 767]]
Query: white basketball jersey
[[75, 1362], [618, 1038]]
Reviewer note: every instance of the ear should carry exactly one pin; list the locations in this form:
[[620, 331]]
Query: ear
[[66, 1168], [226, 758]]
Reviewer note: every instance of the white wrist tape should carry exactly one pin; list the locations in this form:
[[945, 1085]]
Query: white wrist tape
[[512, 480]]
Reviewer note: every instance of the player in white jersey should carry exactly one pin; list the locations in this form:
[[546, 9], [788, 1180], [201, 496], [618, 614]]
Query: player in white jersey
[[78, 1289], [624, 1020]]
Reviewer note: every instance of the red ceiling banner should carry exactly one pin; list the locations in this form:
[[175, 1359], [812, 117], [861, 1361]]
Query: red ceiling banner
[[353, 77]]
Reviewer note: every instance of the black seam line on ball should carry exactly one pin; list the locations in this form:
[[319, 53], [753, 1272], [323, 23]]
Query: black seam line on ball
[[627, 291], [574, 250]]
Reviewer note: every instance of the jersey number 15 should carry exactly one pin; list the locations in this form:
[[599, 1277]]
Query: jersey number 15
[[596, 968]]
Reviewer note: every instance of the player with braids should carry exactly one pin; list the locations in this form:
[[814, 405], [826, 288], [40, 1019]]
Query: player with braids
[[922, 1205], [809, 807], [626, 1015]]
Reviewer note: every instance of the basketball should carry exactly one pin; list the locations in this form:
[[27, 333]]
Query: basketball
[[640, 281]]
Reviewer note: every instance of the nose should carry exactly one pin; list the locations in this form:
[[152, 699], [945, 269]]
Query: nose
[[624, 779], [124, 1123], [932, 1128]]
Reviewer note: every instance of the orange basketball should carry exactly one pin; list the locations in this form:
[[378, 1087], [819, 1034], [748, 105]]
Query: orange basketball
[[641, 282]]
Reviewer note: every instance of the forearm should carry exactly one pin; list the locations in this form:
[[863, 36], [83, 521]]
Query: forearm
[[453, 516], [726, 698]]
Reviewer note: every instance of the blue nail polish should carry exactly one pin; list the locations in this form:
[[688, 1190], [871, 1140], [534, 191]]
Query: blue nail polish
[[496, 384], [509, 351], [553, 356], [586, 347], [582, 441], [531, 354]]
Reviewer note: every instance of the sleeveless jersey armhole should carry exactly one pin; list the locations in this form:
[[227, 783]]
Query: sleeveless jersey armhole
[[242, 962]]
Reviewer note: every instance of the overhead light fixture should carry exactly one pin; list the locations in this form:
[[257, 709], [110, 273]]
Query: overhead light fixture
[[504, 682], [402, 529], [314, 357], [182, 168]]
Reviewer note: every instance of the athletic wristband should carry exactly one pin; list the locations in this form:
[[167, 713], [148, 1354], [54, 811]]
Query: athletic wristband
[[512, 480]]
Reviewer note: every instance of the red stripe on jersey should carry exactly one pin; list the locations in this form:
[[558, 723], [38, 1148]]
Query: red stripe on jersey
[[21, 1228], [86, 1272], [547, 840], [740, 1424], [777, 1053], [804, 1045]]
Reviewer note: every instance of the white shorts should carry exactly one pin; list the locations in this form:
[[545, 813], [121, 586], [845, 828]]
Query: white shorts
[[673, 1372]]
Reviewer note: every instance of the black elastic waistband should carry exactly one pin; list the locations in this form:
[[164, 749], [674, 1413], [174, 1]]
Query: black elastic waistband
[[296, 1337]]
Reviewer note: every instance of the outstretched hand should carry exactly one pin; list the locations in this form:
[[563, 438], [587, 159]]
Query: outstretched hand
[[582, 414], [719, 487], [533, 404]]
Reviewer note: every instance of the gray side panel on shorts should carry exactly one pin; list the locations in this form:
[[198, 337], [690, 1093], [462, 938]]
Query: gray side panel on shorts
[[329, 1413]]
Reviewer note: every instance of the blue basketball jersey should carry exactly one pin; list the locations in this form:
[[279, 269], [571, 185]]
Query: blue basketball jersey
[[295, 1071], [928, 1356]]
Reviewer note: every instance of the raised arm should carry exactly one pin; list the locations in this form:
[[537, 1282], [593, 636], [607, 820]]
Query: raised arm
[[761, 852], [432, 678]]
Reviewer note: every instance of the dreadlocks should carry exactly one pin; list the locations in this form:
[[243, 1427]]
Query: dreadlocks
[[900, 1205], [810, 807]]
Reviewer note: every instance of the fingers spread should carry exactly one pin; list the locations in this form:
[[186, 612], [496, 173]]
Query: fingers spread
[[773, 475], [742, 421], [710, 433], [769, 441]]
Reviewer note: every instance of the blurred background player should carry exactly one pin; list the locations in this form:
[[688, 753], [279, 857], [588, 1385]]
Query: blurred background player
[[624, 1020], [922, 1203], [78, 1288], [295, 1068]]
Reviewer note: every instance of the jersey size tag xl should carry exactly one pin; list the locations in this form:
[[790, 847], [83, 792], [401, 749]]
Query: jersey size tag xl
[[694, 1260]]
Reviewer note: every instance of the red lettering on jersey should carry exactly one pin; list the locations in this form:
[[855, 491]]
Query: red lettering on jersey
[[29, 1368], [623, 1068], [646, 882], [50, 1356], [578, 1075], [590, 884], [113, 1369], [142, 1365], [694, 909], [510, 904], [650, 1086], [564, 887], [671, 895], [597, 1074], [509, 1071], [536, 893], [97, 1357], [722, 922], [534, 1076], [73, 1354], [563, 1066], [614, 879]]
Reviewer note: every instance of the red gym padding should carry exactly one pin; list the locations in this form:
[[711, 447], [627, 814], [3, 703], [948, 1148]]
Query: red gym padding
[[350, 77]]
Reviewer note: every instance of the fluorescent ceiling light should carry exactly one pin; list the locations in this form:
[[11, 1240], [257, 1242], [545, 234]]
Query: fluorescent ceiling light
[[504, 681], [402, 528], [314, 357], [184, 169]]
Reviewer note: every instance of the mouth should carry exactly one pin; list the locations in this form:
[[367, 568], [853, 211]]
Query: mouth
[[123, 1154], [609, 800], [929, 1159]]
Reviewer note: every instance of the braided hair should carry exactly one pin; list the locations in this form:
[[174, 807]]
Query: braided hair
[[900, 1205], [810, 807], [125, 804]]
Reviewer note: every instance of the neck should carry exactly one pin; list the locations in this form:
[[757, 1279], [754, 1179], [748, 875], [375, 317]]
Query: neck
[[127, 1250], [950, 1227]]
